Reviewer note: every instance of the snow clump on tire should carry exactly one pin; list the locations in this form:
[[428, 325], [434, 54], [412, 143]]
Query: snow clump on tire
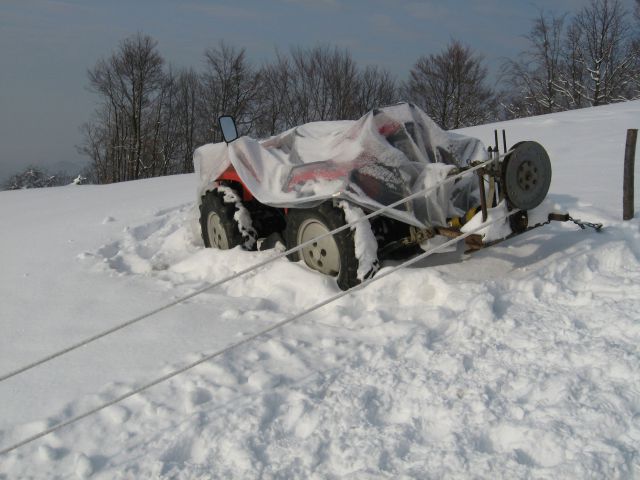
[[365, 243], [242, 216]]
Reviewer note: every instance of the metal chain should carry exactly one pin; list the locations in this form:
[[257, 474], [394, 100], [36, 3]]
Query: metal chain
[[567, 218], [583, 225]]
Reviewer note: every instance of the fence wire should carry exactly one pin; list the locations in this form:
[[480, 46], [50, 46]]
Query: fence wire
[[229, 278], [246, 340]]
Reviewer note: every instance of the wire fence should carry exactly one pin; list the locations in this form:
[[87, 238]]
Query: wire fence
[[249, 339], [229, 278]]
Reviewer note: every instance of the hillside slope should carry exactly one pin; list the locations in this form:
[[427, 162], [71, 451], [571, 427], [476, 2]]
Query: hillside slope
[[520, 360]]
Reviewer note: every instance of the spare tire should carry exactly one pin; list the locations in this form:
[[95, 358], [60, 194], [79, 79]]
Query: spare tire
[[526, 175]]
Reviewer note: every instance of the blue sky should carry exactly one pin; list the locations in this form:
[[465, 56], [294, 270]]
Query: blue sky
[[46, 47]]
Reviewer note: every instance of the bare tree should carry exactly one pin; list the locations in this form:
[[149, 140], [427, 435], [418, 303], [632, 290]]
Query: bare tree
[[164, 128], [376, 87], [594, 61], [229, 87], [138, 72], [605, 49], [451, 87], [339, 73], [147, 122], [320, 83], [274, 102], [95, 144], [571, 82], [535, 76], [189, 123], [128, 83]]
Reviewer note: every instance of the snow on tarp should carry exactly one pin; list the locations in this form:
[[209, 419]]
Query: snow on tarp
[[386, 155]]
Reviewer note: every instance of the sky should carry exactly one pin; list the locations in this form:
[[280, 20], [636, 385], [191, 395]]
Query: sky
[[47, 46]]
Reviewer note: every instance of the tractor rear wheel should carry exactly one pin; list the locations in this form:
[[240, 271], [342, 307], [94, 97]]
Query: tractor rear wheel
[[332, 255]]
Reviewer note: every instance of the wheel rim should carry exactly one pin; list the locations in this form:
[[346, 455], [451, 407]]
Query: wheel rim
[[217, 233], [527, 175], [322, 255]]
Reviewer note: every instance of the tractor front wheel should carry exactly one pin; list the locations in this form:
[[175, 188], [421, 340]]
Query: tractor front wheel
[[219, 227]]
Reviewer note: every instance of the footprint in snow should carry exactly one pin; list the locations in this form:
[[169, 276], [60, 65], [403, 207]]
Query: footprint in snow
[[117, 414], [83, 466], [48, 453], [198, 397]]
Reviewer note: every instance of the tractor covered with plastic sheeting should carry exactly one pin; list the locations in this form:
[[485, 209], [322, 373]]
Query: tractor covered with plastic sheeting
[[299, 185]]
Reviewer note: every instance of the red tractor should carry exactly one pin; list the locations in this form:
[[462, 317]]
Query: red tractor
[[310, 180]]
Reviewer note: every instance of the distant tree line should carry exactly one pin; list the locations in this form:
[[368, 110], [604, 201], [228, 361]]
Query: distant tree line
[[151, 116], [34, 177]]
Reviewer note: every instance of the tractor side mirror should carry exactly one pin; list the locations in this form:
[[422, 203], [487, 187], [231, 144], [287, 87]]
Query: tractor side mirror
[[228, 127]]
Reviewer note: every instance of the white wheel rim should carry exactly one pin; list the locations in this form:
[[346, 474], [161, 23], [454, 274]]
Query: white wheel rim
[[217, 233], [322, 255]]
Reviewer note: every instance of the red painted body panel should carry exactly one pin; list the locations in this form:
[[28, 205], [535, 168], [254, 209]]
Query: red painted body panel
[[230, 174], [328, 171]]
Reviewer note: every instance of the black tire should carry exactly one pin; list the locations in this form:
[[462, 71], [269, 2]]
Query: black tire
[[219, 228], [322, 219], [519, 221], [526, 175]]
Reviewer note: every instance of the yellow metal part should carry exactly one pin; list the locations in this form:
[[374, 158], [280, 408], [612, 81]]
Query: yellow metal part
[[458, 222]]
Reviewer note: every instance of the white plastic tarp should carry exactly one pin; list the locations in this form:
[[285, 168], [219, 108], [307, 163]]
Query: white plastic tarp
[[383, 157]]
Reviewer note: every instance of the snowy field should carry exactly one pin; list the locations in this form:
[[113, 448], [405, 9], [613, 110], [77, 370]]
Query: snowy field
[[519, 361]]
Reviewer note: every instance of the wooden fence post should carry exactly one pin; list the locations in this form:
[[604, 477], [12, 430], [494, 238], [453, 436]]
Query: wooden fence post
[[627, 187]]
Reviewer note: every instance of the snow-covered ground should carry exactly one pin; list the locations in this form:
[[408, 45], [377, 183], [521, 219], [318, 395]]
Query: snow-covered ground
[[522, 360]]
